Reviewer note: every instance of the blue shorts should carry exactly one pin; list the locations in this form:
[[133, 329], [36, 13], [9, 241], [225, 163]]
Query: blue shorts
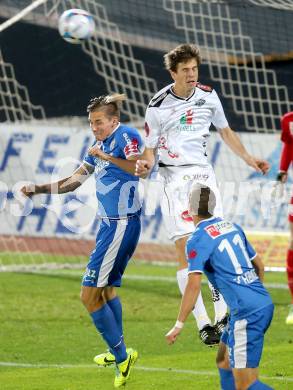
[[245, 338], [115, 243]]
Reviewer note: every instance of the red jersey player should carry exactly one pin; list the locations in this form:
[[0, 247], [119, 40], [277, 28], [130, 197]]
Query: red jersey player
[[285, 161]]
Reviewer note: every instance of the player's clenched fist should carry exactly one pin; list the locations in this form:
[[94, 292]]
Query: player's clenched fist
[[142, 168], [171, 336], [28, 190]]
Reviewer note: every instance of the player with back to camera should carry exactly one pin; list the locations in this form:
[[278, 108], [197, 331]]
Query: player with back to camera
[[112, 158], [221, 250], [177, 125], [285, 162]]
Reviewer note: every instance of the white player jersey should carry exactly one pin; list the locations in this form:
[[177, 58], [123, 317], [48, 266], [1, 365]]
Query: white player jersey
[[179, 127]]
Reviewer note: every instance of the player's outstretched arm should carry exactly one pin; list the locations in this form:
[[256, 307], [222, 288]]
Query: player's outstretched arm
[[62, 186], [145, 163], [188, 301], [233, 141]]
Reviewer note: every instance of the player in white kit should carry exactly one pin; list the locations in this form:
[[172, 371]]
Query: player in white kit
[[177, 125]]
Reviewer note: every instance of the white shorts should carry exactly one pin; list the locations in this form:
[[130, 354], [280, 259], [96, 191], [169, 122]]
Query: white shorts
[[177, 183]]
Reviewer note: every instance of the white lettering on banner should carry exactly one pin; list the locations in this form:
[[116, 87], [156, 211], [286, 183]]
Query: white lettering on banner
[[248, 199]]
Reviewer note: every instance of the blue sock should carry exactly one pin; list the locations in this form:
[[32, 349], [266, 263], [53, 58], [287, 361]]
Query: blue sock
[[116, 307], [258, 385], [227, 379], [105, 322]]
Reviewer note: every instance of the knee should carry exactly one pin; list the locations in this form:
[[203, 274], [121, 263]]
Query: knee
[[109, 293], [83, 297], [92, 302]]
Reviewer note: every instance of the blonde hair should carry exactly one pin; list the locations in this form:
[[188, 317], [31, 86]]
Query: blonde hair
[[110, 103]]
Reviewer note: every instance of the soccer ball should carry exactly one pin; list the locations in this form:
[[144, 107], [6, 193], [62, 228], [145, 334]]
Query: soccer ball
[[76, 25]]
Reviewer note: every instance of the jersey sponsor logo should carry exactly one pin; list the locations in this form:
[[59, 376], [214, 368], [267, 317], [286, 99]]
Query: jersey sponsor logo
[[291, 128], [146, 129], [212, 231], [197, 176], [186, 216], [186, 122], [132, 147], [100, 164], [199, 103], [192, 254], [163, 145], [219, 229], [187, 118]]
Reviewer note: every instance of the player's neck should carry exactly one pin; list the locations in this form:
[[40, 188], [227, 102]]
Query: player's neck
[[197, 219], [182, 91]]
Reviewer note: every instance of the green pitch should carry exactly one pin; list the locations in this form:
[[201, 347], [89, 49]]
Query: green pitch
[[48, 341]]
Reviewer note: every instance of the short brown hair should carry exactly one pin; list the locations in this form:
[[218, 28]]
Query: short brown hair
[[111, 104], [181, 53]]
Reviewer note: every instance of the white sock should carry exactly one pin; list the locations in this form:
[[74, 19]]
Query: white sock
[[220, 305], [199, 312]]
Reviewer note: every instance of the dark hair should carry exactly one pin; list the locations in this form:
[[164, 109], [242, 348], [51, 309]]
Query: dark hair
[[181, 53], [202, 201], [111, 104]]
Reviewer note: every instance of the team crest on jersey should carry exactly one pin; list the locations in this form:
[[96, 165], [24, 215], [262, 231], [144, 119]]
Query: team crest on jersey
[[112, 144], [219, 228], [199, 103]]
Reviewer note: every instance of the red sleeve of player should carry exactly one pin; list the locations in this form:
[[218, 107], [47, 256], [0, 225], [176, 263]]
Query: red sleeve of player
[[286, 156], [287, 128]]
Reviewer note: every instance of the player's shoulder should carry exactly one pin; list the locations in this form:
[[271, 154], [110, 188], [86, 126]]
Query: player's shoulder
[[160, 96], [198, 235], [123, 128], [203, 87], [127, 134]]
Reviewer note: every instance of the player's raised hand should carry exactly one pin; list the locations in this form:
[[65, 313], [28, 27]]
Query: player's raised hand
[[259, 165], [171, 336], [142, 168], [28, 190], [97, 152]]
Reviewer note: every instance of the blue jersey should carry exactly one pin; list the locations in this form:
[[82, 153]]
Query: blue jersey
[[220, 249], [117, 190]]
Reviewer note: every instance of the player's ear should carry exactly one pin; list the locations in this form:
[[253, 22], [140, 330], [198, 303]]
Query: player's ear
[[173, 74]]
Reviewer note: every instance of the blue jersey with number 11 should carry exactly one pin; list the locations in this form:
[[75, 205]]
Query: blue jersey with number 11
[[220, 249]]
